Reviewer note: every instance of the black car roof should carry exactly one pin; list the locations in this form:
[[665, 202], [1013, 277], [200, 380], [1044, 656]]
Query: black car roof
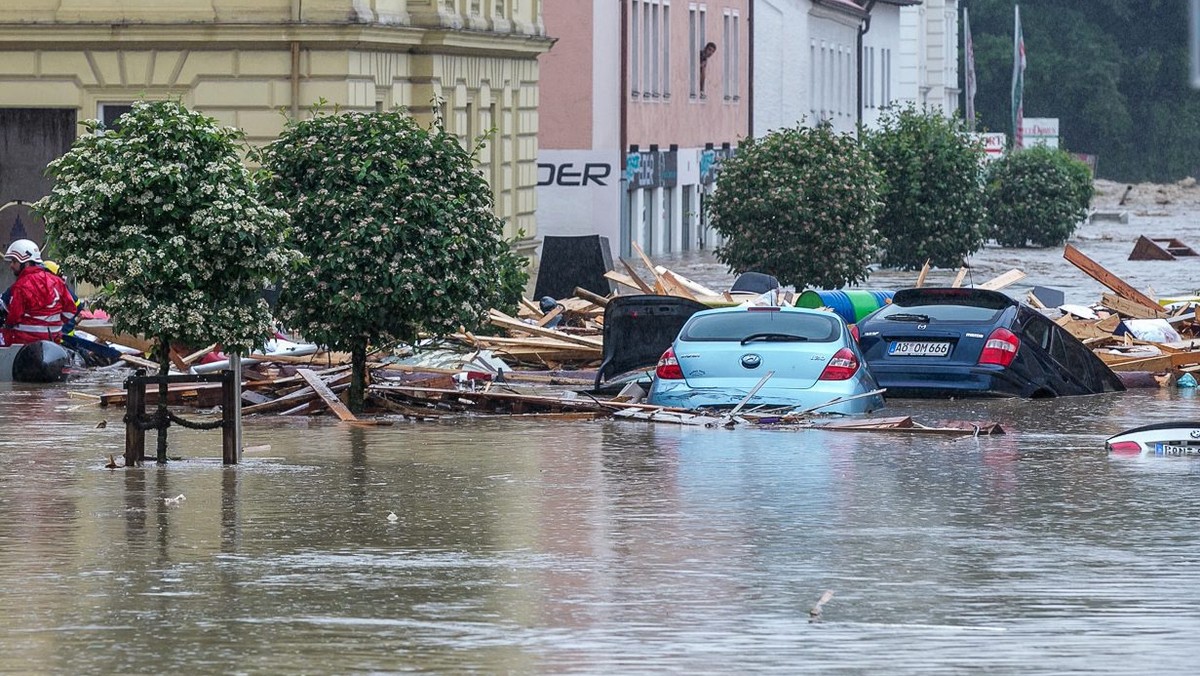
[[955, 295]]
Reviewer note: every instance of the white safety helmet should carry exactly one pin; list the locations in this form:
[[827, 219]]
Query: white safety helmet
[[23, 251]]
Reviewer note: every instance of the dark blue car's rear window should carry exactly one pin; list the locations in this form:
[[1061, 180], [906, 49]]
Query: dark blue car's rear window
[[734, 326], [948, 307]]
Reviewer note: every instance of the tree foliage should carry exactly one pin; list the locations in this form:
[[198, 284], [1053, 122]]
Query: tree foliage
[[799, 204], [1037, 196], [162, 214], [397, 229], [1115, 73], [932, 188]]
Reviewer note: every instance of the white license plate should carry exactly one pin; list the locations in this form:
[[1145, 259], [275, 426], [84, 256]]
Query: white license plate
[[909, 348], [1175, 449]]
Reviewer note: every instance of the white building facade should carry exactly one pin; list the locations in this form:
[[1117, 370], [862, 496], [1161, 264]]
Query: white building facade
[[846, 61], [929, 73]]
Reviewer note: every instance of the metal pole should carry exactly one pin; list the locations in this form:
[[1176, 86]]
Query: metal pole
[[235, 361]]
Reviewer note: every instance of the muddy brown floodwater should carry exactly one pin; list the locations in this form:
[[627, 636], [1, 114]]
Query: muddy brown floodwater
[[615, 547]]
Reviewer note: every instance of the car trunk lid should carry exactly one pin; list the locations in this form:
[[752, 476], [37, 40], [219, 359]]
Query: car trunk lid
[[796, 365]]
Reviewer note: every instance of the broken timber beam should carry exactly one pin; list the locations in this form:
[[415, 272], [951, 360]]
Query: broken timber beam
[[339, 409], [1101, 274]]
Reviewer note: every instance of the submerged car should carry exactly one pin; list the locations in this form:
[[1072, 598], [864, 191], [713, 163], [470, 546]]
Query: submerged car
[[722, 357], [1175, 438], [952, 342]]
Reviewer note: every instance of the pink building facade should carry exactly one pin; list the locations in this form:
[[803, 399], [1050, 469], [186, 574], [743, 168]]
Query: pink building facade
[[635, 116]]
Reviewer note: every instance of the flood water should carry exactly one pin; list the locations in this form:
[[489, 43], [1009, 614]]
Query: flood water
[[549, 546]]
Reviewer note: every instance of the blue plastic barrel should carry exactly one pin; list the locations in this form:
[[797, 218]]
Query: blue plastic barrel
[[851, 305]]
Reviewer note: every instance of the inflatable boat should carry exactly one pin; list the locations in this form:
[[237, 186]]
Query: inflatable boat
[[1175, 438], [40, 362]]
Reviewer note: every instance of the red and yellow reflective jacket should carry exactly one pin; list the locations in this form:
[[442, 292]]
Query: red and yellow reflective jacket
[[40, 305]]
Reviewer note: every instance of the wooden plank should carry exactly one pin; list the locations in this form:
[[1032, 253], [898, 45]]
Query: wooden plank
[[339, 409], [695, 287], [674, 287], [177, 361], [504, 321], [1130, 308], [1034, 302], [531, 307], [549, 316], [638, 283], [921, 277], [658, 279], [1007, 279], [958, 279], [1109, 280], [1163, 362], [623, 280], [191, 358], [591, 297], [150, 366], [1082, 330]]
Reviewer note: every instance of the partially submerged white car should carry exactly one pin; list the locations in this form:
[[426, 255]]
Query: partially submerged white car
[[1164, 439]]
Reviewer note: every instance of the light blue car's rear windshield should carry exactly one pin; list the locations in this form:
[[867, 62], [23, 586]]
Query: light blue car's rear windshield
[[734, 326]]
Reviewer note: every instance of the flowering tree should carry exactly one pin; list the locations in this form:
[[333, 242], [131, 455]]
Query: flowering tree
[[398, 231], [799, 204], [162, 215]]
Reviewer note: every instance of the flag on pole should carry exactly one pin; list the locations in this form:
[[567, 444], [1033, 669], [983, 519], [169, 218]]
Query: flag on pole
[[969, 57], [1018, 82]]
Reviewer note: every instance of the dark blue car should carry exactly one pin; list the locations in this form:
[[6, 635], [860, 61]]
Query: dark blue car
[[952, 342]]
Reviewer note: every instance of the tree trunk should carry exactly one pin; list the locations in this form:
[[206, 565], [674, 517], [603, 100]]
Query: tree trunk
[[358, 377]]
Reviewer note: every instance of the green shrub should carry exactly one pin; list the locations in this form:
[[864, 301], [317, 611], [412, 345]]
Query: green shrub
[[1037, 196], [933, 202], [799, 204]]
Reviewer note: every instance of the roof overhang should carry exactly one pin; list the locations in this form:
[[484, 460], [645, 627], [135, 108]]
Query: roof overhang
[[847, 6]]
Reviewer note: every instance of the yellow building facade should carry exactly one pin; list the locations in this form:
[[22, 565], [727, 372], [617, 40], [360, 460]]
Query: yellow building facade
[[252, 64]]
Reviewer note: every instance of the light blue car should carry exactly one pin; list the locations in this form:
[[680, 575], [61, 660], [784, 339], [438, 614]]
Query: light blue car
[[720, 356]]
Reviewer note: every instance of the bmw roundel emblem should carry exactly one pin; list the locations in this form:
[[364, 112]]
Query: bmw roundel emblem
[[751, 361]]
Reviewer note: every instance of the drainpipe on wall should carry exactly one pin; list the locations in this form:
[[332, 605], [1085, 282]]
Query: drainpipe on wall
[[624, 78], [750, 67], [862, 30], [297, 17]]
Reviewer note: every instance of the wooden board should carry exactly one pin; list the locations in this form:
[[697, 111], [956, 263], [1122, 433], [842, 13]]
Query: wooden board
[[339, 409], [1007, 279], [1130, 308], [1108, 279]]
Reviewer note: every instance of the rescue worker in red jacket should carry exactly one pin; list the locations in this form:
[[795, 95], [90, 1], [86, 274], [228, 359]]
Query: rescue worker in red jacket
[[41, 302]]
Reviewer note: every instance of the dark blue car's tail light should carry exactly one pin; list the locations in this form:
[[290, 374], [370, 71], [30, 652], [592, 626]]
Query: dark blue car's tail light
[[842, 366], [1000, 349], [668, 367]]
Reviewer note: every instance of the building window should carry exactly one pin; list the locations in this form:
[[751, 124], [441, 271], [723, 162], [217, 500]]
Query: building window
[[868, 77], [693, 52], [650, 49], [655, 49], [635, 38], [812, 77], [108, 113], [666, 50], [726, 57], [737, 57], [885, 78], [707, 49], [647, 55]]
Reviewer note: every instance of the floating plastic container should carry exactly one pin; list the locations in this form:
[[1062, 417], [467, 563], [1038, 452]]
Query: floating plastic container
[[851, 305]]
